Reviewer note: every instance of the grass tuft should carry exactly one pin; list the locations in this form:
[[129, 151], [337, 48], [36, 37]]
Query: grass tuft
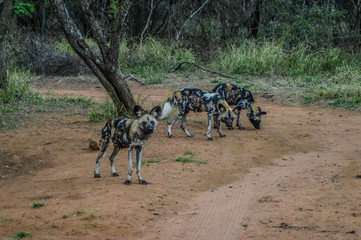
[[189, 158], [17, 93], [21, 235], [38, 205], [152, 59]]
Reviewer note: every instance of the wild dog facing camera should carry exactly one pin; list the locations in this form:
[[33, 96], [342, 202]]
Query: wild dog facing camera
[[227, 115], [147, 121], [131, 134]]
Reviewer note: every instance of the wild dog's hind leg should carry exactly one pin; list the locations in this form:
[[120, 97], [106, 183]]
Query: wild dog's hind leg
[[170, 124], [130, 167], [115, 152], [139, 150], [105, 143], [183, 126], [210, 116], [217, 125]]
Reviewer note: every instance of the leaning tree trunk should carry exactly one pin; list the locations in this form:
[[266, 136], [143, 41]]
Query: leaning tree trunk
[[6, 10], [105, 65]]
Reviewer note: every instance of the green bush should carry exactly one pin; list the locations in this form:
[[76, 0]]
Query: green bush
[[270, 58], [105, 112], [330, 74], [152, 59], [17, 92]]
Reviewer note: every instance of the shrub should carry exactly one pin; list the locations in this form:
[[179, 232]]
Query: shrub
[[17, 92], [153, 59]]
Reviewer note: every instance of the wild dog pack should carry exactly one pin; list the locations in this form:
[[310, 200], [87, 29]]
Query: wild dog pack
[[242, 99], [192, 99]]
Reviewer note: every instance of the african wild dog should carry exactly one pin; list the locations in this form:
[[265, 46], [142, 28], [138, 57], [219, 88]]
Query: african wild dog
[[241, 98], [129, 133], [190, 99]]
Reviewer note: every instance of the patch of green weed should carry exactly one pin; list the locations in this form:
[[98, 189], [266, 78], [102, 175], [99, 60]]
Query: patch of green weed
[[103, 112], [189, 158], [38, 205], [216, 81], [21, 235], [153, 59]]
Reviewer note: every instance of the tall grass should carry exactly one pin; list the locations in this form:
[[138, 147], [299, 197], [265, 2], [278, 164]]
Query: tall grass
[[104, 112], [153, 59], [17, 92], [270, 58], [330, 74]]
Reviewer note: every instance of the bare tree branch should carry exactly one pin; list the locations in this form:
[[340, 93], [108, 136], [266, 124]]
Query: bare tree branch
[[134, 79], [189, 18], [95, 27], [116, 28], [148, 21], [203, 68]]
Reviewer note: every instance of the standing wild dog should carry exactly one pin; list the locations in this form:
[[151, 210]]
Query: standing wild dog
[[190, 99], [129, 133], [241, 98]]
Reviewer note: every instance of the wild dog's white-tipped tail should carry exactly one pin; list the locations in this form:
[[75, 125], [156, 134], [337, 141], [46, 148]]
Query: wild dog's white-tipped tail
[[167, 109]]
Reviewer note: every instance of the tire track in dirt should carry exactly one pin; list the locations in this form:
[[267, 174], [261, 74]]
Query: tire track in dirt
[[216, 214], [212, 222]]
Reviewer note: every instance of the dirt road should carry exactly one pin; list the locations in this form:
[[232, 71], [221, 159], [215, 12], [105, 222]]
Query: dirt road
[[298, 177]]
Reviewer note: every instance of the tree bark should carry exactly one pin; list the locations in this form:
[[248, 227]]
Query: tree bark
[[6, 10], [105, 65]]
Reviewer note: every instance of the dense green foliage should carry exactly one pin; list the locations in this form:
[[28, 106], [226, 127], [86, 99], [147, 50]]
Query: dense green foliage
[[153, 59], [312, 45], [17, 93], [330, 74]]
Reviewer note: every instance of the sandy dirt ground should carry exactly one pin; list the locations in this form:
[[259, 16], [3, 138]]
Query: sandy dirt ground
[[298, 177]]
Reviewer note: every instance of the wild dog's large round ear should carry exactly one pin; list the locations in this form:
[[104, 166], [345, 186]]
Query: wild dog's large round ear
[[260, 111], [138, 111], [221, 106], [156, 112]]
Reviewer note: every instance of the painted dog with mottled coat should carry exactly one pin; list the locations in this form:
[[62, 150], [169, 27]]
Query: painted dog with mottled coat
[[128, 133], [242, 99], [192, 99]]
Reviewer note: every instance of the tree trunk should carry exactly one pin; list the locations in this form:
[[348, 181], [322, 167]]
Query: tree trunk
[[256, 19], [6, 10], [105, 67]]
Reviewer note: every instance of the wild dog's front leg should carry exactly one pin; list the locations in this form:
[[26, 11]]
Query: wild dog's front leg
[[130, 167], [210, 116], [218, 124], [183, 126], [139, 150]]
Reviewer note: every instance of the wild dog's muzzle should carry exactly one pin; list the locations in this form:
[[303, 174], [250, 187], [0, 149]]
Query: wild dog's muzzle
[[256, 124], [149, 129], [229, 124]]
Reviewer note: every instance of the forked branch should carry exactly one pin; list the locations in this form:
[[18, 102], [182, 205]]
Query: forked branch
[[203, 68]]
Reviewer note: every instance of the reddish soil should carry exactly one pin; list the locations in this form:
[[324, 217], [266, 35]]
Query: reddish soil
[[298, 177]]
